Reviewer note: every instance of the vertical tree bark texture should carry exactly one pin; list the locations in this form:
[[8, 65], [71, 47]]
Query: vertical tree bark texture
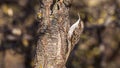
[[53, 46]]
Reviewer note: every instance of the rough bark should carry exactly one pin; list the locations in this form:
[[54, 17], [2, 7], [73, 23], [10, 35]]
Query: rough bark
[[54, 44]]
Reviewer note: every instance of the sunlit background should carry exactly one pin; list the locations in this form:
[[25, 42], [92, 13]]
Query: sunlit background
[[99, 45]]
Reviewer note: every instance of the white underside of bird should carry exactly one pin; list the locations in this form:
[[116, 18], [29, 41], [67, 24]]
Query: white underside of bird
[[74, 26]]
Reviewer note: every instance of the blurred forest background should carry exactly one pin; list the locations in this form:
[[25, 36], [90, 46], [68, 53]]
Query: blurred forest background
[[99, 46]]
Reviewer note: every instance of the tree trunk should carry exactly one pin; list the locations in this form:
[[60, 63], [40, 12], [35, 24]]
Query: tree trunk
[[56, 37]]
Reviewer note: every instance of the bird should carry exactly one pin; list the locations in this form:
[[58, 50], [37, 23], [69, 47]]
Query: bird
[[73, 36]]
